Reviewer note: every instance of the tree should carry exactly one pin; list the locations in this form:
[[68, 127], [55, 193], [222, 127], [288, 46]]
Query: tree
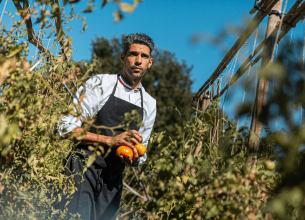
[[168, 80]]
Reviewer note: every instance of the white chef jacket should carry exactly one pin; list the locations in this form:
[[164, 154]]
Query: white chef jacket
[[98, 90]]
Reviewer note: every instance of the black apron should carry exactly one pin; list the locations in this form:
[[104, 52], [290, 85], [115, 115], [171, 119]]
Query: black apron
[[98, 196]]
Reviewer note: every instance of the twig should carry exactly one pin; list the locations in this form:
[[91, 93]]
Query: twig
[[128, 184], [3, 175], [134, 192], [215, 131], [131, 200], [198, 148], [36, 64], [29, 204], [3, 11], [50, 88], [130, 212], [141, 184], [59, 30], [131, 179], [26, 16]]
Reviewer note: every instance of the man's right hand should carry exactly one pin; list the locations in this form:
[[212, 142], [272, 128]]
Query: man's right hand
[[127, 138]]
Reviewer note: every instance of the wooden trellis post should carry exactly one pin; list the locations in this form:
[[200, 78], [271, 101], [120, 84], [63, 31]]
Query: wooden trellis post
[[217, 124], [263, 83]]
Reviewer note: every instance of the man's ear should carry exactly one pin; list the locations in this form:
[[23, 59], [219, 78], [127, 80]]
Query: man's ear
[[122, 57], [150, 62]]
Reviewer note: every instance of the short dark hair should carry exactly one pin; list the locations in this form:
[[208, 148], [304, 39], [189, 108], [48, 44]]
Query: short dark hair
[[140, 39]]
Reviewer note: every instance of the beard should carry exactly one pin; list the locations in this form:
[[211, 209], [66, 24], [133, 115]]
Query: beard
[[135, 74]]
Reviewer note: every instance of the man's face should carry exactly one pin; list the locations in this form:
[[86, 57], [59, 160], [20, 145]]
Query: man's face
[[136, 61]]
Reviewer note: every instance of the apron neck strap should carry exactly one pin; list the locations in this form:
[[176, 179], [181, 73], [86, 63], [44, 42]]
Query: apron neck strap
[[113, 91], [141, 100], [114, 88]]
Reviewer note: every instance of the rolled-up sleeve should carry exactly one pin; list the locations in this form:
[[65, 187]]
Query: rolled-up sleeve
[[87, 99]]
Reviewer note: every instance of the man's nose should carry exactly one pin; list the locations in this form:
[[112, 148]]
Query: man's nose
[[138, 59]]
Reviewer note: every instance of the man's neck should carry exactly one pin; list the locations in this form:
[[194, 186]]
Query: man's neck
[[134, 83]]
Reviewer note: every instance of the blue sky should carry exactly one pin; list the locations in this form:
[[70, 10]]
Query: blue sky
[[171, 24]]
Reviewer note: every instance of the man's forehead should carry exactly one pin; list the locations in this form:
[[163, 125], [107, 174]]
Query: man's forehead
[[139, 47]]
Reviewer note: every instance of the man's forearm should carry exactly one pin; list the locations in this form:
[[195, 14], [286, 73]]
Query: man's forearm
[[89, 138]]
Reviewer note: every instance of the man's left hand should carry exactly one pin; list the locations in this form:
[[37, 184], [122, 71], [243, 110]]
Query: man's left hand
[[130, 160]]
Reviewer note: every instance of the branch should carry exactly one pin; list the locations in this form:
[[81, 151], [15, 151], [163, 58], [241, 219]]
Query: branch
[[130, 212], [59, 30], [26, 16], [141, 184], [134, 192]]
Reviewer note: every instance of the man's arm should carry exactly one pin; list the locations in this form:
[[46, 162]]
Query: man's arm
[[124, 138]]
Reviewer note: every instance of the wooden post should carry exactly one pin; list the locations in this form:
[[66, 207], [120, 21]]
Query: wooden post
[[204, 101], [217, 124], [213, 91], [262, 84], [214, 125]]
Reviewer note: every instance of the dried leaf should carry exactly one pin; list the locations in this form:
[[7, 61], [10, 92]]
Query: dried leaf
[[91, 159]]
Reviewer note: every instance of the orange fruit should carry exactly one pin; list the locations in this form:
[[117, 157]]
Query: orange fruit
[[124, 151], [141, 149]]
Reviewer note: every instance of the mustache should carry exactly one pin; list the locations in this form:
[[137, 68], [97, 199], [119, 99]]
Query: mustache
[[137, 67]]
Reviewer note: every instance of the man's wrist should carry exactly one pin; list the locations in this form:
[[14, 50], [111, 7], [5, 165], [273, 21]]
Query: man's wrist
[[105, 140]]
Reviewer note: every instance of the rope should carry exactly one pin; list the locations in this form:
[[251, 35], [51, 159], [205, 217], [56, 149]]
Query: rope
[[238, 44], [248, 74], [244, 66], [245, 87], [223, 109], [231, 75], [278, 32], [277, 48], [276, 39]]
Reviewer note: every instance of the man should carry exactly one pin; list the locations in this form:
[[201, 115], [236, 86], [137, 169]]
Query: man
[[107, 98]]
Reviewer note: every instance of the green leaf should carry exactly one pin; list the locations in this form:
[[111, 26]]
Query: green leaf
[[160, 138], [189, 159], [85, 26], [89, 9], [55, 6], [91, 159]]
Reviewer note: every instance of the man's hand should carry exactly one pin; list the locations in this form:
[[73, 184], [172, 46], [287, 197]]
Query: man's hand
[[127, 138], [130, 160]]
